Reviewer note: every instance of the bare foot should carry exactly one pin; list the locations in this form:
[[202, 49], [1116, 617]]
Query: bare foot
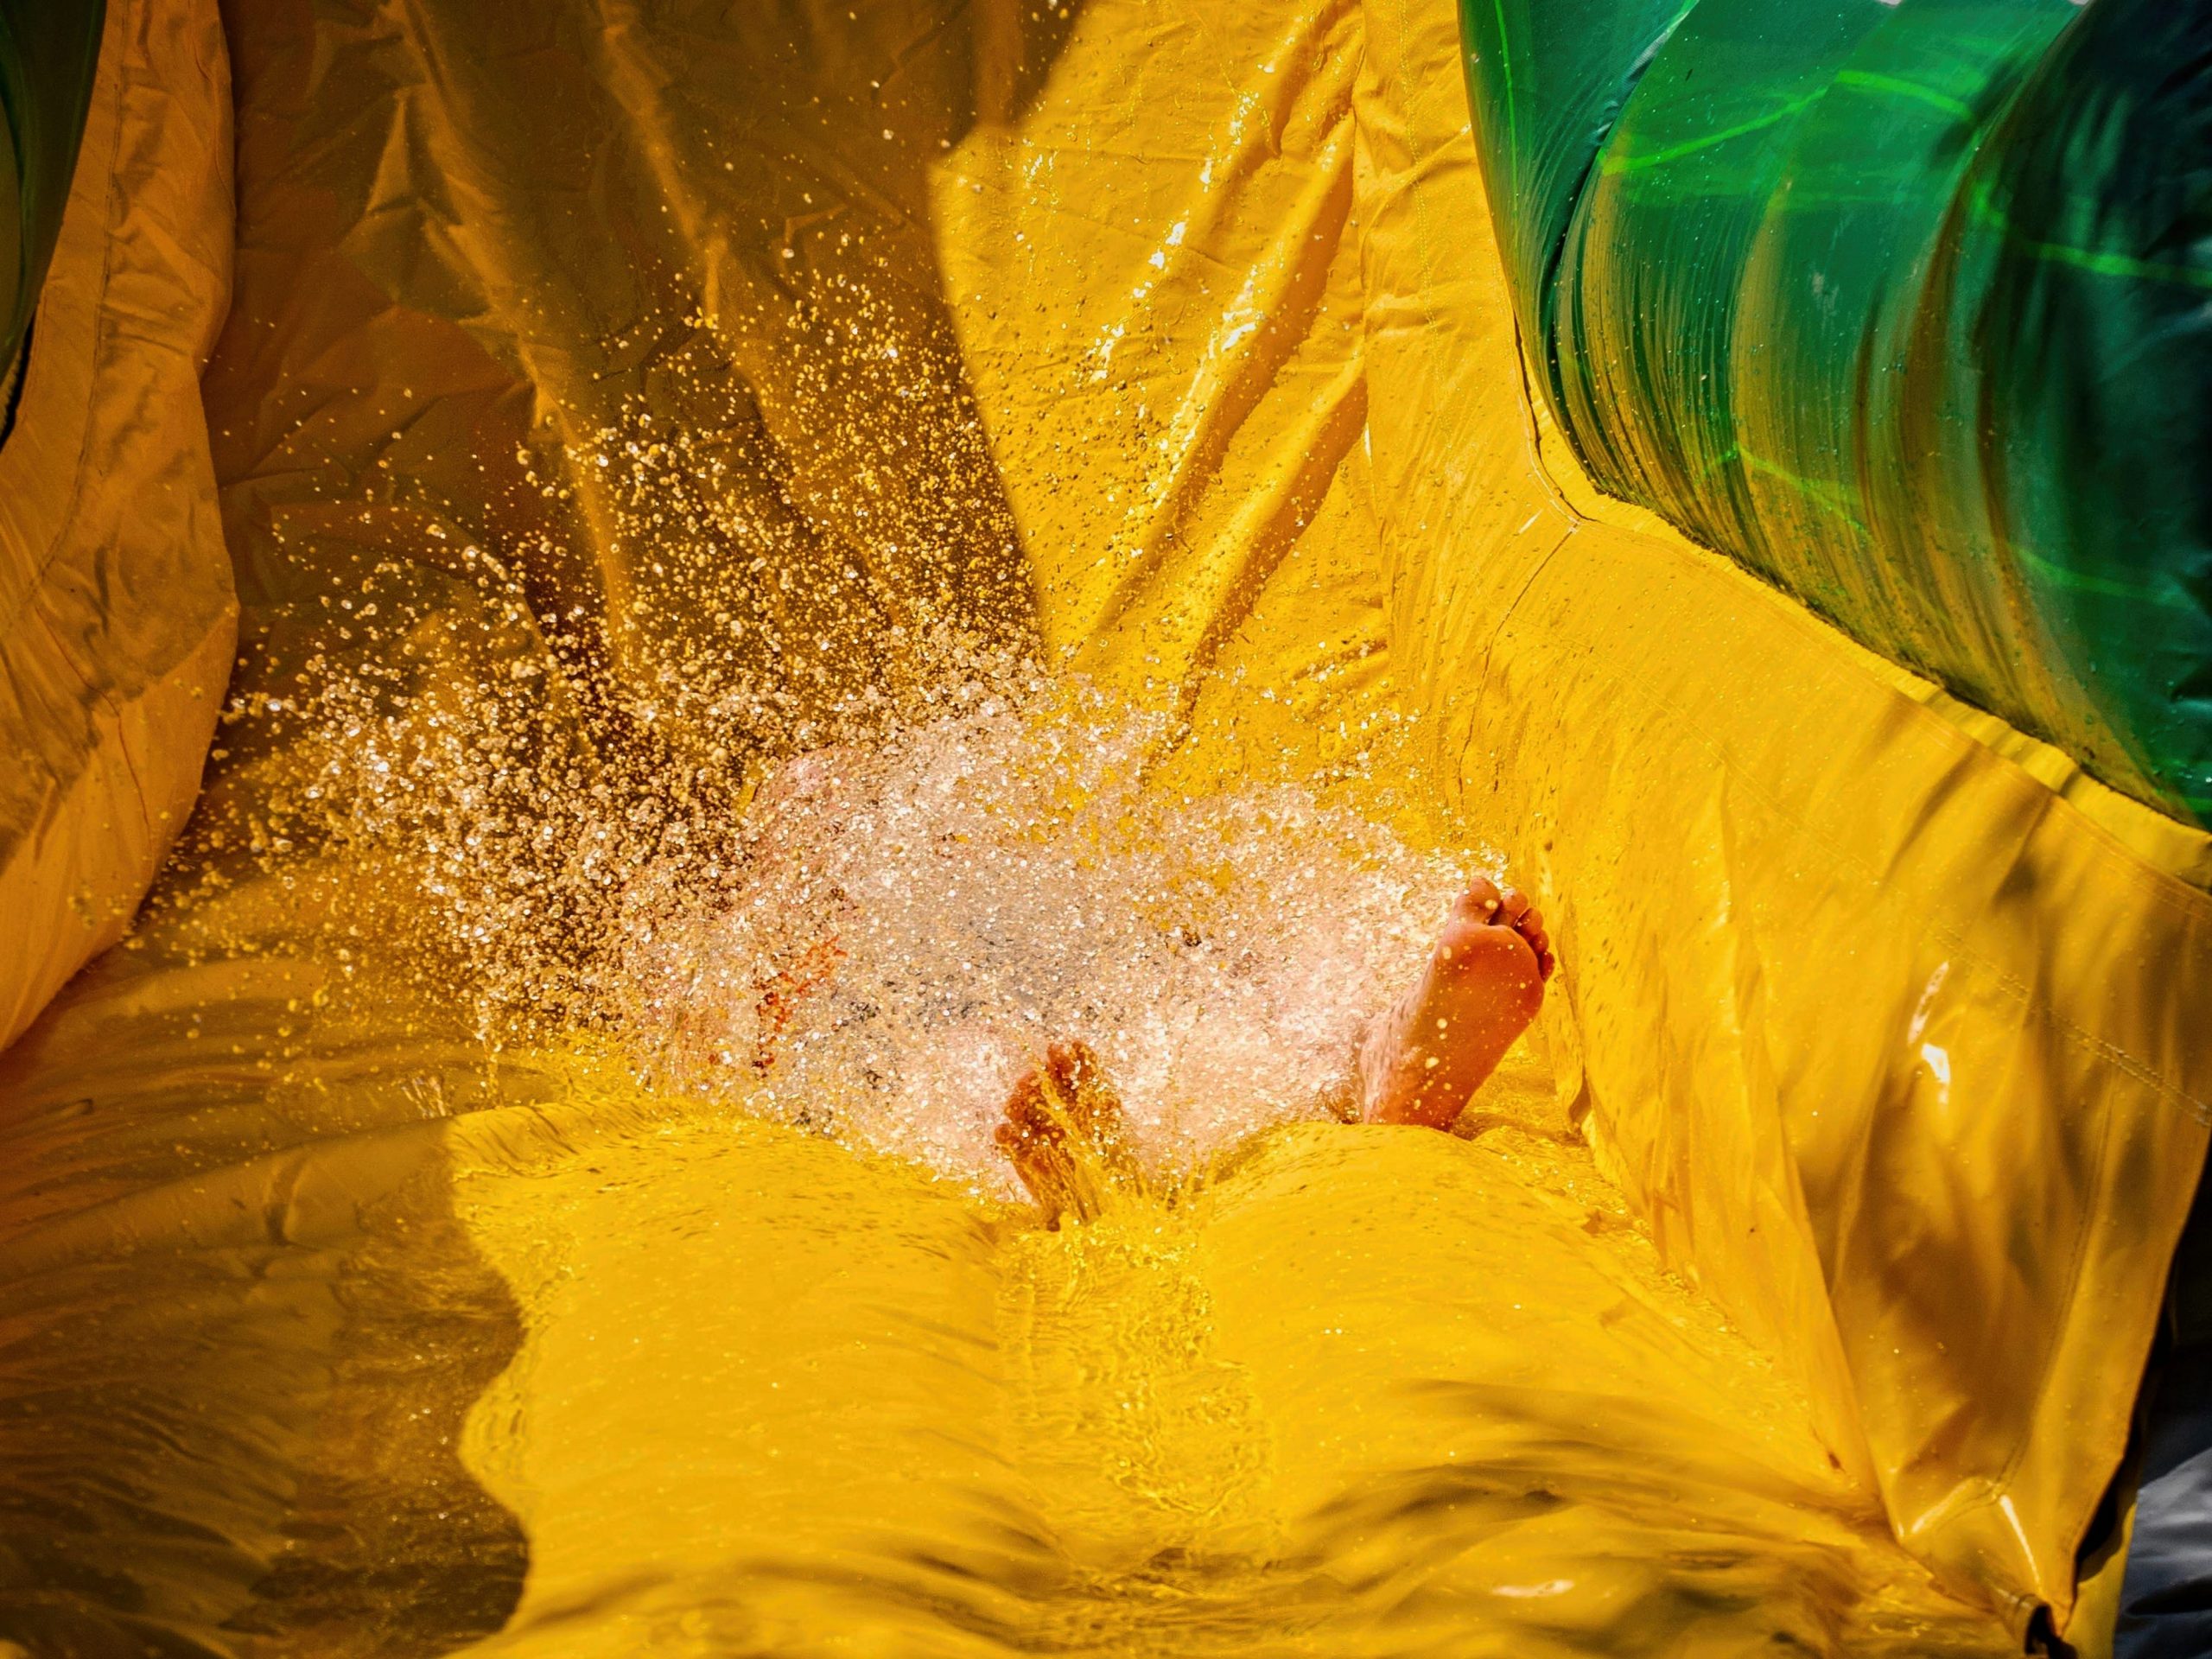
[[1065, 1134], [1432, 1048]]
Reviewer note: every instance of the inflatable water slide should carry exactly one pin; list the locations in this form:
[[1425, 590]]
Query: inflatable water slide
[[615, 613]]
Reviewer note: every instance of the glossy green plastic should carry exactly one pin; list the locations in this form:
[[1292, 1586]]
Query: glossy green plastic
[[1906, 306]]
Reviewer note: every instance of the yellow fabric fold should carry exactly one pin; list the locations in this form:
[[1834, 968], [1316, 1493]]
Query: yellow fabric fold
[[116, 621]]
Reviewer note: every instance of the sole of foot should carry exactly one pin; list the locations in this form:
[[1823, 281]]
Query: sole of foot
[[1424, 1055]]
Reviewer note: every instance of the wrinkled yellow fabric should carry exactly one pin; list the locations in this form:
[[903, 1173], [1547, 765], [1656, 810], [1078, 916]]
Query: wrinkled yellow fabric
[[1176, 343], [116, 615], [1892, 1046]]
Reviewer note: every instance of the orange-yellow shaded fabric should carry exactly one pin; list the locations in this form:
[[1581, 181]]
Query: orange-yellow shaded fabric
[[116, 615]]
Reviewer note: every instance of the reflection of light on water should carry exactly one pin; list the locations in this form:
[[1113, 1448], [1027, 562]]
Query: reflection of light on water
[[1935, 1057], [914, 922]]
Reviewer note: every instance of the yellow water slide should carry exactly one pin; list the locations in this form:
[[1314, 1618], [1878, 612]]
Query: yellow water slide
[[465, 450]]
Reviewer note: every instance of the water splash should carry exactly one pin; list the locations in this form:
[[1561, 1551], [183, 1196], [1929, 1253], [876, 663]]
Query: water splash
[[876, 939], [913, 921]]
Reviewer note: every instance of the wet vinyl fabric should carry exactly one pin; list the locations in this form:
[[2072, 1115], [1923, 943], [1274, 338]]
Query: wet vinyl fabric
[[616, 400], [1903, 306], [117, 623]]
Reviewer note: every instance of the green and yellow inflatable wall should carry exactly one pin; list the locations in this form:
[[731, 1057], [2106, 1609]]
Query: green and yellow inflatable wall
[[1745, 461]]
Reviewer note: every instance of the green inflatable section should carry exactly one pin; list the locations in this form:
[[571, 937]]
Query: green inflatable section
[[49, 50], [1905, 305]]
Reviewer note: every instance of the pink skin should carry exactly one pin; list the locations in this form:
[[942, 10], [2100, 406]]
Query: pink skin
[[1419, 1060], [1432, 1048]]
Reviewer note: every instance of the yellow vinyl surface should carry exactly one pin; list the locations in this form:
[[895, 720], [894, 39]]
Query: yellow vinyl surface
[[617, 393], [116, 621]]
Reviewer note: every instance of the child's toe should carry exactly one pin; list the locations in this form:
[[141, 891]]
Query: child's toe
[[1480, 902]]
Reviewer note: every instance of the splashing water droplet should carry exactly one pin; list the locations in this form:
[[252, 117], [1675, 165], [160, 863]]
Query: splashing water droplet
[[914, 922]]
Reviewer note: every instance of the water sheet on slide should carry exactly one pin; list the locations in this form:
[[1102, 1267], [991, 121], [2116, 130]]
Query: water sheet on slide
[[1837, 1189]]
